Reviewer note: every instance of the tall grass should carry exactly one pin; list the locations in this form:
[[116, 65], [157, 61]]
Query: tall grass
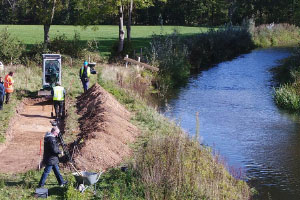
[[288, 97], [273, 35], [176, 56], [218, 45], [167, 164]]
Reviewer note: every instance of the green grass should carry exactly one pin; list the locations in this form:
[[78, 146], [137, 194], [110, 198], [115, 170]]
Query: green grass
[[106, 35]]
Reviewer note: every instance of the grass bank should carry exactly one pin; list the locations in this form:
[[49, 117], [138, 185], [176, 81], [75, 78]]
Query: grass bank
[[166, 164], [287, 94], [276, 35]]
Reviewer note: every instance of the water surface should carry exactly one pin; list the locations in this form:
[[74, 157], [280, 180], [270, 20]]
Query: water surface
[[239, 119]]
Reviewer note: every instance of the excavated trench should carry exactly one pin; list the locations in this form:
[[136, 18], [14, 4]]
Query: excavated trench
[[103, 141]]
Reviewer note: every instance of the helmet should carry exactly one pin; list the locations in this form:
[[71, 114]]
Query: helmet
[[85, 63]]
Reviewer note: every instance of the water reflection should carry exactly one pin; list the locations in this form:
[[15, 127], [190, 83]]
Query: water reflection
[[238, 118]]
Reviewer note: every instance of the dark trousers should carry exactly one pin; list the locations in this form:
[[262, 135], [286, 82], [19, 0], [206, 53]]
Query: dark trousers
[[47, 171], [7, 98], [85, 85], [58, 106], [1, 101]]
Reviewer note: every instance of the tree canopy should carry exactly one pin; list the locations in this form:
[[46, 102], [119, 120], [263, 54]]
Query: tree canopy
[[154, 12]]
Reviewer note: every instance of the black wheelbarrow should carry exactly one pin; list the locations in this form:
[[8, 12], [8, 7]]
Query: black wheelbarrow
[[86, 179]]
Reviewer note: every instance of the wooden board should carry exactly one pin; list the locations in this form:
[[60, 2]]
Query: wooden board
[[141, 64]]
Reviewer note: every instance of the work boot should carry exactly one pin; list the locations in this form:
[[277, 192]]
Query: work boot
[[63, 184]]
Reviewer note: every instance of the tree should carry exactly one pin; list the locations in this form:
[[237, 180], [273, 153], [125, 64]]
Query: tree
[[44, 11]]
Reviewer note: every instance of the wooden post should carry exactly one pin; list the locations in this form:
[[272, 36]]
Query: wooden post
[[139, 60], [141, 53], [71, 63], [126, 61]]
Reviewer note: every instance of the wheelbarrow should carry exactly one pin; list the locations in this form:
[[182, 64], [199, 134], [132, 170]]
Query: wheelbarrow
[[86, 179]]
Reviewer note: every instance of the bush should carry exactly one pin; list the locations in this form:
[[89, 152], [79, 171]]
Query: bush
[[267, 35], [74, 48], [116, 56], [10, 48], [170, 54], [218, 45], [287, 97]]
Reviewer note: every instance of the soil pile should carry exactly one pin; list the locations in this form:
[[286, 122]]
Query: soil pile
[[106, 131]]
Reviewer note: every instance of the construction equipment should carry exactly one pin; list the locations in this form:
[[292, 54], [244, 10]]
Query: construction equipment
[[92, 66], [51, 73]]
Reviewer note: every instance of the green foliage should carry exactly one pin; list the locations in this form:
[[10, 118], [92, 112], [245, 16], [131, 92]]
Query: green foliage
[[287, 97], [218, 45], [268, 35], [116, 56], [120, 184], [72, 193], [73, 48], [10, 48], [170, 54]]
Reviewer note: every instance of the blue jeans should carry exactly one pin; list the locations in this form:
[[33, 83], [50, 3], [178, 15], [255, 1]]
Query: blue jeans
[[85, 85], [47, 171]]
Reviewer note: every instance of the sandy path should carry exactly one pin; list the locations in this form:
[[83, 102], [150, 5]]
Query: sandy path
[[21, 153]]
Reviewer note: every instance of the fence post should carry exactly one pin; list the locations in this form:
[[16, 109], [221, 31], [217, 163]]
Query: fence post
[[126, 64], [139, 59], [141, 53]]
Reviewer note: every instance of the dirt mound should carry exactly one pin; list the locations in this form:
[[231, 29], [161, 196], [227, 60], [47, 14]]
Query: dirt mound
[[106, 131]]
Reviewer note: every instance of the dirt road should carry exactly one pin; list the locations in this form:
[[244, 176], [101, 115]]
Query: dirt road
[[21, 152]]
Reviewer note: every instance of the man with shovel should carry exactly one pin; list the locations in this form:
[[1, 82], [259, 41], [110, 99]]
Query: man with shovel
[[50, 159]]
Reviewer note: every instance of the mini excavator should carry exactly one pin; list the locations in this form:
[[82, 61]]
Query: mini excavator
[[51, 73]]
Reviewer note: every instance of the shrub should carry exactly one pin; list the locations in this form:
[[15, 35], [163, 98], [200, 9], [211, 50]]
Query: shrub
[[170, 54], [287, 97], [116, 56], [10, 48], [74, 48], [267, 35], [218, 45]]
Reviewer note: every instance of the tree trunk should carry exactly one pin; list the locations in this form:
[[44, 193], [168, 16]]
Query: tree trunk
[[121, 30], [129, 21], [48, 24], [46, 35]]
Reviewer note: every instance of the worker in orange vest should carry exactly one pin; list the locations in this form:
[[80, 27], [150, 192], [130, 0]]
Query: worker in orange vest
[[8, 84]]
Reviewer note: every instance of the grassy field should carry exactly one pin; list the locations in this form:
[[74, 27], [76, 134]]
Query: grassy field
[[105, 35]]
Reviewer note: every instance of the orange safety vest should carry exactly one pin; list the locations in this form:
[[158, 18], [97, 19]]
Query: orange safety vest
[[8, 84]]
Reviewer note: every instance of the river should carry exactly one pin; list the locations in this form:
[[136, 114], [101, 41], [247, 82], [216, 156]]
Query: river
[[239, 119]]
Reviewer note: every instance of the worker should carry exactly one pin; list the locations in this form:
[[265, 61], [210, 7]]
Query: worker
[[84, 74], [50, 158], [59, 94], [2, 93], [8, 84]]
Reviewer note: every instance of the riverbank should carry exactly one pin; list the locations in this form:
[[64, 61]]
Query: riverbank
[[157, 135], [287, 75]]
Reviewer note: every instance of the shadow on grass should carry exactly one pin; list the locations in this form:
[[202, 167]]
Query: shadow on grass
[[25, 93]]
